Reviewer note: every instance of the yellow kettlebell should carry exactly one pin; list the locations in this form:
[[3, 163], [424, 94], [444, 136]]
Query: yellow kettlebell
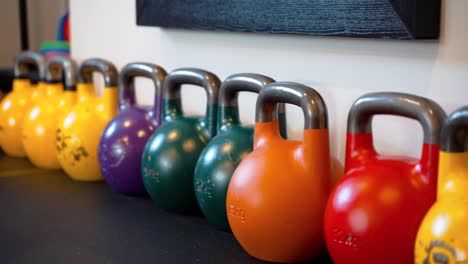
[[40, 123], [27, 61], [16, 103], [79, 132], [443, 234]]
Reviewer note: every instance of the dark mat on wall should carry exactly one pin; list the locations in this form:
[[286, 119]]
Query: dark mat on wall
[[397, 19]]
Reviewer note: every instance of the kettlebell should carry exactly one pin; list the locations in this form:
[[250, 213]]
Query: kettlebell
[[170, 156], [442, 236], [16, 103], [40, 122], [124, 138], [79, 132], [226, 150], [373, 214], [276, 198], [32, 66]]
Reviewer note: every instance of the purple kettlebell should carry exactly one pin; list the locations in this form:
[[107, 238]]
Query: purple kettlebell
[[123, 140]]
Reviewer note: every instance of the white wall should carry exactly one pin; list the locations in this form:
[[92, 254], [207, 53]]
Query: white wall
[[341, 69], [43, 21], [9, 30], [43, 18]]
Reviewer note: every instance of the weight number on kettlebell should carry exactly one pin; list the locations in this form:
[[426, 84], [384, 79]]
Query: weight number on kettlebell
[[237, 212]]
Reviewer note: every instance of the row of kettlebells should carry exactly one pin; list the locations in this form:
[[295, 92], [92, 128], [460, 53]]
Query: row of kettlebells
[[279, 197], [58, 125]]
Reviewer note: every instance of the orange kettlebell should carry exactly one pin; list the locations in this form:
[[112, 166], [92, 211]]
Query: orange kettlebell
[[15, 104], [277, 195]]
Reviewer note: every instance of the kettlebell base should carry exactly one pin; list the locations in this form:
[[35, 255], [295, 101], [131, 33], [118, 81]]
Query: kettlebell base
[[14, 154], [45, 164], [128, 192], [124, 184], [45, 167], [81, 179], [84, 177]]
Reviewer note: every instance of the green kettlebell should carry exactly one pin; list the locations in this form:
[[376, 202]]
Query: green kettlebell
[[233, 142], [170, 155]]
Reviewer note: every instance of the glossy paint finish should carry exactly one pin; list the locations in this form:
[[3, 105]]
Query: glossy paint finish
[[15, 104], [12, 111], [276, 197], [224, 152], [38, 91], [41, 121], [172, 152], [442, 236], [23, 63], [124, 138], [79, 132], [373, 214]]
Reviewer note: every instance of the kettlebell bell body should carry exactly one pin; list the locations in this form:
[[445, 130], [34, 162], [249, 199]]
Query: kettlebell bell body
[[172, 152], [373, 214], [226, 150], [37, 81], [442, 236], [38, 91], [16, 103], [124, 138], [41, 121], [277, 194], [79, 132]]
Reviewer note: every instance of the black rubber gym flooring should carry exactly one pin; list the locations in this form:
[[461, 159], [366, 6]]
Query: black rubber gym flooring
[[48, 218]]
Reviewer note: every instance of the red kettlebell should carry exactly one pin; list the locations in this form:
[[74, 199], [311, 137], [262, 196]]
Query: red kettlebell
[[373, 214]]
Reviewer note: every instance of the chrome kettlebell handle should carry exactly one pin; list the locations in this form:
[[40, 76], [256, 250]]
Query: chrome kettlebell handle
[[139, 69], [429, 114], [67, 69], [31, 58], [455, 132], [243, 82], [175, 79], [248, 82], [308, 99], [172, 92], [106, 68]]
